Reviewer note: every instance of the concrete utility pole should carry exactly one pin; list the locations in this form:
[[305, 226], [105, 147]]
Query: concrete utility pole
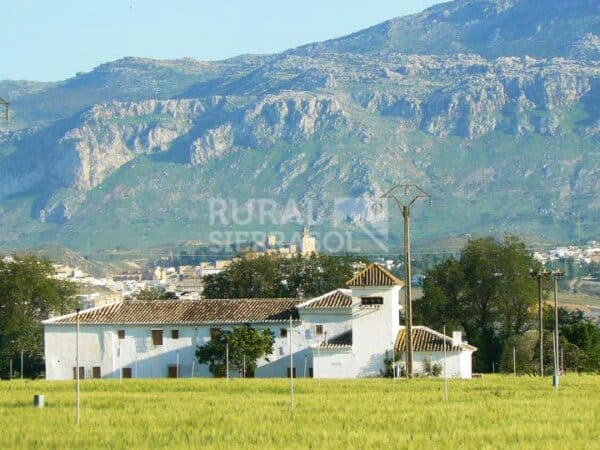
[[77, 367], [541, 275], [557, 274], [412, 193]]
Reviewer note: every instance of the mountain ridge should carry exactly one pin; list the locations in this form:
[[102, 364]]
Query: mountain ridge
[[509, 142]]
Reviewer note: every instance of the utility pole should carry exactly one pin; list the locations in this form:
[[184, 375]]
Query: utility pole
[[227, 361], [291, 369], [412, 193], [557, 274], [541, 275], [77, 367]]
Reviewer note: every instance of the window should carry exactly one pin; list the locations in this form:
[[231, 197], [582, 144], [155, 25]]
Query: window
[[281, 351], [157, 337], [371, 301], [81, 373], [126, 372], [96, 373], [121, 334], [175, 334], [288, 372], [172, 372], [215, 332], [319, 330], [283, 332]]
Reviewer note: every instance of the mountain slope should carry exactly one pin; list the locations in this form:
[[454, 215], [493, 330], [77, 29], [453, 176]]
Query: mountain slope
[[132, 152], [491, 28]]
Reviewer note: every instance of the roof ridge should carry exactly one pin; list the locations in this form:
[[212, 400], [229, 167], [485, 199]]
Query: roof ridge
[[325, 295], [387, 279]]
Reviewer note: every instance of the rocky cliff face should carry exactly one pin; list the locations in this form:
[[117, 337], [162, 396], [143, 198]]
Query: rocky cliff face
[[345, 117]]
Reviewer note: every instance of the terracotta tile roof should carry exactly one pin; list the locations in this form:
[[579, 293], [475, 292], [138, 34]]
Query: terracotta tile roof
[[343, 340], [375, 275], [428, 340], [187, 312], [340, 298]]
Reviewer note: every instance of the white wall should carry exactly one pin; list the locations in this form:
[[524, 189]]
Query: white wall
[[100, 346], [334, 363], [374, 329], [334, 321], [458, 364]]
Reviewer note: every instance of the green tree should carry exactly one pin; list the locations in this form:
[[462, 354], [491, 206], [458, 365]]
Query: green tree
[[586, 337], [487, 292], [150, 294], [272, 276], [29, 295], [246, 345]]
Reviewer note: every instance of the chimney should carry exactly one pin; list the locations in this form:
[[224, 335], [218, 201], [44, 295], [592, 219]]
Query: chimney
[[456, 338]]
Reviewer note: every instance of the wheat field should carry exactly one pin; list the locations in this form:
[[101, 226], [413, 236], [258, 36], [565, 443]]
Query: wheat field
[[492, 412]]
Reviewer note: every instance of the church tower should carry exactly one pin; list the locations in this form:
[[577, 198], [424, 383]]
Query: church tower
[[309, 243]]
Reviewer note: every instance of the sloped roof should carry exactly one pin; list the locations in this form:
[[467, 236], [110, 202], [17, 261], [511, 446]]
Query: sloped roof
[[428, 340], [340, 298], [375, 275], [190, 312], [343, 340]]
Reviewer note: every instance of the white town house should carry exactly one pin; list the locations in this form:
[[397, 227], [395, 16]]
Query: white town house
[[347, 333]]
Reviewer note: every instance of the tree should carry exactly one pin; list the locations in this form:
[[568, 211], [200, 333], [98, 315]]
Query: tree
[[29, 295], [150, 294], [586, 337], [246, 345], [272, 276], [487, 292]]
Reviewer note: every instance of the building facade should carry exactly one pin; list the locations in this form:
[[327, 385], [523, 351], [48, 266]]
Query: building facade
[[347, 333]]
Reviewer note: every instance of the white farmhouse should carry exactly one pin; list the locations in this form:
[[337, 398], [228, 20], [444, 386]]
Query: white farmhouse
[[347, 333]]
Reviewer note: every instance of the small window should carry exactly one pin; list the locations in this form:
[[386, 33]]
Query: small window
[[175, 334], [121, 334], [81, 373], [96, 372], [319, 330], [281, 351], [157, 337], [214, 333], [288, 372], [126, 372], [371, 301], [283, 332], [172, 372]]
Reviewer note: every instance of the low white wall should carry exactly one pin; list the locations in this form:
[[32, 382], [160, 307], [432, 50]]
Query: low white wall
[[334, 363], [458, 364]]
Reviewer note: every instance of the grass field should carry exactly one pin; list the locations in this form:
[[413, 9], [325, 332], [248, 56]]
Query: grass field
[[579, 299], [493, 412]]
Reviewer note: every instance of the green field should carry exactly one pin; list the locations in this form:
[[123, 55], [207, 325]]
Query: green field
[[492, 412], [571, 298]]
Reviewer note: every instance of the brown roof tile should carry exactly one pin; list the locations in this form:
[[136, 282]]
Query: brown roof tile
[[187, 312], [375, 275], [427, 340], [332, 300]]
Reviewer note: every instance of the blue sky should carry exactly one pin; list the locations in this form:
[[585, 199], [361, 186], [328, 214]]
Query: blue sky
[[52, 40]]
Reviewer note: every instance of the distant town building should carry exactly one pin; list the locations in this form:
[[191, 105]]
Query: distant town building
[[309, 243]]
